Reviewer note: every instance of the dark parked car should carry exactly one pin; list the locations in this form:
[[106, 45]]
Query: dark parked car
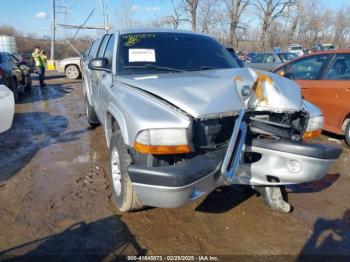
[[27, 59], [269, 61], [14, 74], [239, 62]]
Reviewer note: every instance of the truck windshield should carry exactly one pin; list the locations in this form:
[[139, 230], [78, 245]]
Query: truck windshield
[[144, 53]]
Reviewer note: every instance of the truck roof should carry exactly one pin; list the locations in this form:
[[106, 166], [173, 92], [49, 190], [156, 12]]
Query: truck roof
[[158, 30]]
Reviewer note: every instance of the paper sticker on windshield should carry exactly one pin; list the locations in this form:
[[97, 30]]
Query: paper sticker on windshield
[[142, 55]]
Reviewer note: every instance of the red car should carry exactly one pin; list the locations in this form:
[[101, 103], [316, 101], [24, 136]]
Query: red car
[[324, 78]]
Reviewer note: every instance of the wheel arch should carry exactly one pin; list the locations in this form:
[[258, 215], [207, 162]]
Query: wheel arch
[[116, 121], [345, 122]]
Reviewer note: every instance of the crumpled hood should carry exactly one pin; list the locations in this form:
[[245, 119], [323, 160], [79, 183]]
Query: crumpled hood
[[201, 93]]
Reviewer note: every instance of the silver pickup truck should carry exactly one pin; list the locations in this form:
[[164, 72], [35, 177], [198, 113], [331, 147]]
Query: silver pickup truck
[[181, 119]]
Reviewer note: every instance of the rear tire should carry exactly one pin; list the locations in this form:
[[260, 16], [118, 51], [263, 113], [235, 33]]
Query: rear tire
[[72, 72], [123, 194], [91, 114], [347, 134]]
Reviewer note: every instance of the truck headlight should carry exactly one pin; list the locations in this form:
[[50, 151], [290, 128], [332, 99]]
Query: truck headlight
[[162, 141], [314, 127], [315, 120]]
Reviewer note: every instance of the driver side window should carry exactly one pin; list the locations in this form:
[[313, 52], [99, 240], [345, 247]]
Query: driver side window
[[306, 69], [340, 68]]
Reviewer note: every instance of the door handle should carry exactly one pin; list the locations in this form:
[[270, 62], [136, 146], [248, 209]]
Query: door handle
[[347, 89]]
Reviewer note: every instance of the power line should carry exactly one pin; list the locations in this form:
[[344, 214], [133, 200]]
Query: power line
[[106, 27]]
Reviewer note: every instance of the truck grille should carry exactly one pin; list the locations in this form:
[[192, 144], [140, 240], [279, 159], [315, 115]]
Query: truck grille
[[212, 133]]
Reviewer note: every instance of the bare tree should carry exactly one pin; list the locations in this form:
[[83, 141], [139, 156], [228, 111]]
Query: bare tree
[[235, 9], [191, 7], [177, 14], [314, 23], [8, 30], [269, 11], [293, 15], [341, 27], [207, 15]]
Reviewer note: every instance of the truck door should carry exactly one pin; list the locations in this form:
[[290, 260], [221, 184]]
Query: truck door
[[87, 73], [106, 76], [307, 72], [96, 75]]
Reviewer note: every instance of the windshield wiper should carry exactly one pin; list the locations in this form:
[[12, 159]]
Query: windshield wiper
[[156, 67], [202, 68]]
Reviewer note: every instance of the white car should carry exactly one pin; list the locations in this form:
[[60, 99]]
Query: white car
[[296, 49], [70, 67], [7, 108]]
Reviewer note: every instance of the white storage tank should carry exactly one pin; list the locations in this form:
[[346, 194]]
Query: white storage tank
[[8, 44]]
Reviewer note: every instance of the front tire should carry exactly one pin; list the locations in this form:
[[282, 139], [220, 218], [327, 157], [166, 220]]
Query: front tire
[[123, 194], [347, 134], [72, 72]]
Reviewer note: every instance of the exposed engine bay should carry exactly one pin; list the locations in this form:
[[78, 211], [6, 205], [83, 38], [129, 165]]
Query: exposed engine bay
[[209, 134]]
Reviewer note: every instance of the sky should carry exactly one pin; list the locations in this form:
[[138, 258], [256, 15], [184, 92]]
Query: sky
[[34, 16]]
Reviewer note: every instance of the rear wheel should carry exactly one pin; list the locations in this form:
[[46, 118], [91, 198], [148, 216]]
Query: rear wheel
[[72, 72], [347, 133], [123, 194]]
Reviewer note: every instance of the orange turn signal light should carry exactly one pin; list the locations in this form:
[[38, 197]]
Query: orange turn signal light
[[161, 150], [312, 134]]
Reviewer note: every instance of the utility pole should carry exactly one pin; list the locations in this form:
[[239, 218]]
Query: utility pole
[[53, 30]]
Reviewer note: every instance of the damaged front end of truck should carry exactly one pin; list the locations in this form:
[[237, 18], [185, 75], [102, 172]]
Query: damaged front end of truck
[[263, 143]]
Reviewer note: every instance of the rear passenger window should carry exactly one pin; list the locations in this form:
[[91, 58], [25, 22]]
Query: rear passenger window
[[340, 68], [109, 51], [103, 46], [93, 48]]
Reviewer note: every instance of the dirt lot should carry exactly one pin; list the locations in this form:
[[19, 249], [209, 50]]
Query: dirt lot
[[54, 198]]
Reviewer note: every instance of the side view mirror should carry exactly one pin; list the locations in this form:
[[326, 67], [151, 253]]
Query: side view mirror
[[99, 64]]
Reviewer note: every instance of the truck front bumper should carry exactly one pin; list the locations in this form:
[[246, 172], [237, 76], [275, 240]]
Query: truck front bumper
[[280, 162]]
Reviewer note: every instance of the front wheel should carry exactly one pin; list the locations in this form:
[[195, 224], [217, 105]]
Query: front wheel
[[123, 194], [72, 72], [347, 133]]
